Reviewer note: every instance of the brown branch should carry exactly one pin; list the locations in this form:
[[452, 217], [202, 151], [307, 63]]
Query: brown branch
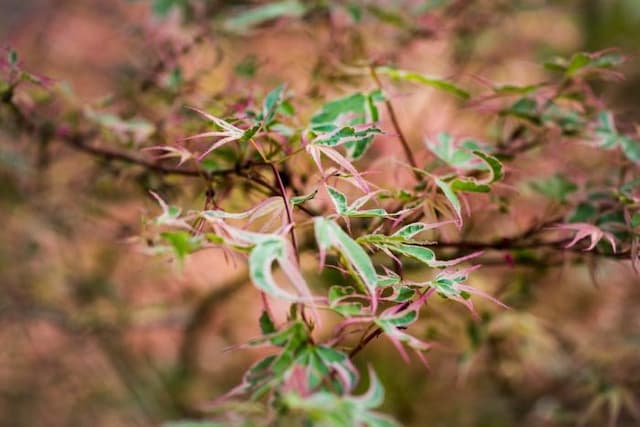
[[396, 125], [287, 207]]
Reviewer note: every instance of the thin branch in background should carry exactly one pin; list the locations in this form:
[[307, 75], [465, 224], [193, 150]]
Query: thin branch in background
[[396, 126]]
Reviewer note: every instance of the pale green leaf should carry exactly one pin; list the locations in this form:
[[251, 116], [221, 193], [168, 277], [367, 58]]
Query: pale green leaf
[[329, 234], [339, 200], [410, 76], [260, 14]]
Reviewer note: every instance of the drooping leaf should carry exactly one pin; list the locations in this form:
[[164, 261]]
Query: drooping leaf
[[261, 258], [410, 76], [330, 235], [493, 164], [228, 132], [315, 152], [451, 196], [584, 230]]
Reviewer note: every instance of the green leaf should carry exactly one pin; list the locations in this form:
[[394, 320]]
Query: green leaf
[[326, 408], [260, 260], [12, 57], [494, 165], [420, 253], [516, 90], [631, 149], [578, 61], [348, 309], [329, 234], [331, 116], [175, 78], [408, 231], [260, 14], [336, 293], [387, 15], [350, 137], [247, 67], [469, 185], [298, 200], [556, 187], [182, 243], [404, 319], [571, 122], [338, 116], [339, 200], [163, 7], [606, 130], [524, 108], [583, 62], [584, 212], [445, 149], [423, 79], [267, 250], [368, 213], [404, 293], [451, 196], [271, 104], [389, 280], [266, 323], [608, 137]]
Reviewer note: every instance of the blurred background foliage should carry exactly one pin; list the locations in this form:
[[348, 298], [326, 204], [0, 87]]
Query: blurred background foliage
[[95, 333]]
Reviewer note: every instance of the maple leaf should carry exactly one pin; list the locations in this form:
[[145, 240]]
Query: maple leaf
[[584, 230]]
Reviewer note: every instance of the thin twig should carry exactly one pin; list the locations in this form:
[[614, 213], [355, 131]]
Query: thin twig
[[396, 125]]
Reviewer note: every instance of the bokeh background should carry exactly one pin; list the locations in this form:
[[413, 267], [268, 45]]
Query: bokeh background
[[95, 333]]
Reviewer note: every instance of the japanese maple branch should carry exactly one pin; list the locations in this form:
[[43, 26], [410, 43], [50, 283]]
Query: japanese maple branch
[[396, 125]]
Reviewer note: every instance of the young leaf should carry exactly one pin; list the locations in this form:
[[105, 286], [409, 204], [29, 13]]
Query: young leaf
[[329, 234], [451, 196], [583, 230], [182, 243]]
